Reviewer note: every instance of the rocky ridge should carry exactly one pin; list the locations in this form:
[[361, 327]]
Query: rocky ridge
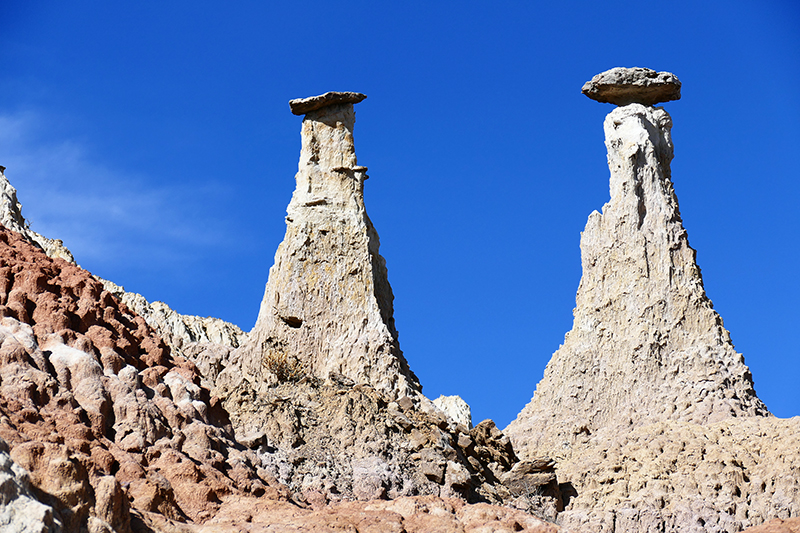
[[120, 432], [117, 435], [183, 333], [93, 405], [11, 217], [647, 407]]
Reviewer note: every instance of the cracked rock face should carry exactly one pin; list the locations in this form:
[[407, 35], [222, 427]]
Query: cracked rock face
[[327, 308], [647, 382]]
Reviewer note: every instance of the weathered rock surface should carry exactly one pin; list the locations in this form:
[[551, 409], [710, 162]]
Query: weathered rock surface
[[301, 106], [209, 339], [647, 408], [679, 476], [20, 511], [331, 441], [777, 525], [623, 86], [646, 344], [327, 308], [455, 408], [118, 435], [421, 514], [93, 405], [206, 341], [11, 217]]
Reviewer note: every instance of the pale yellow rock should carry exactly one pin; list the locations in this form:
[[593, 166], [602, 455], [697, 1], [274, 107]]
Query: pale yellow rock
[[327, 306], [647, 408], [646, 344], [456, 409]]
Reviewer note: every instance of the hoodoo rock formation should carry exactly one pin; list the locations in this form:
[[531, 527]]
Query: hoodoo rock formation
[[320, 388], [648, 377], [327, 307]]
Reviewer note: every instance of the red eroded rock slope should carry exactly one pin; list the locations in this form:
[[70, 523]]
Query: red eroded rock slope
[[119, 436], [94, 406]]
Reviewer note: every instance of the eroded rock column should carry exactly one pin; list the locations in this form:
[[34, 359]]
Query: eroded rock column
[[646, 344], [327, 308]]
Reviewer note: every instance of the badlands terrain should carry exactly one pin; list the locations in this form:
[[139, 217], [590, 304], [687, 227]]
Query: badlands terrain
[[121, 415]]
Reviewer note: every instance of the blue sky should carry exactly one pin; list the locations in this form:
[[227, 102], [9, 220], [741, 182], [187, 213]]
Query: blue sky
[[155, 139]]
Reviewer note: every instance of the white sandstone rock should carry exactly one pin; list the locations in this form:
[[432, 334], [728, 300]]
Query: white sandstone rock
[[327, 306], [20, 511], [456, 409], [647, 408], [646, 344]]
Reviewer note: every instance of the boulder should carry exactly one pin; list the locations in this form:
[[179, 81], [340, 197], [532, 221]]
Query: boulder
[[623, 86]]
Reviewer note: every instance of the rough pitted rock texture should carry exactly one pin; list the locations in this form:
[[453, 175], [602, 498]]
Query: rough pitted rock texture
[[623, 86], [118, 436], [11, 217], [646, 344], [20, 511], [206, 341], [421, 514], [455, 408], [327, 307], [647, 408], [331, 441], [93, 405], [678, 476]]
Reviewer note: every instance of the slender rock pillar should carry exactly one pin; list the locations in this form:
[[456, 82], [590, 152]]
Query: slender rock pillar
[[327, 308], [646, 344]]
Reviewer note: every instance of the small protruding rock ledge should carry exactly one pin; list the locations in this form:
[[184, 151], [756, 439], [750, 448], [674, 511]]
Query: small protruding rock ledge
[[623, 86], [301, 106]]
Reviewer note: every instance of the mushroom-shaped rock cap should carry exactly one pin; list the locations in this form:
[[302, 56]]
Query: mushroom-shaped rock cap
[[301, 106], [623, 86]]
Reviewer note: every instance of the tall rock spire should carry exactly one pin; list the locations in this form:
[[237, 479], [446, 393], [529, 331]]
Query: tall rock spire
[[327, 307], [646, 343]]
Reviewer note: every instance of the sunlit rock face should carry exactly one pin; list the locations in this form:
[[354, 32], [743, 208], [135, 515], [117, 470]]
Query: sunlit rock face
[[327, 306], [646, 343], [647, 408]]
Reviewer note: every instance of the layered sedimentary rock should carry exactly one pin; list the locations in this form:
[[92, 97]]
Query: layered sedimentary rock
[[110, 432], [639, 406], [327, 307], [646, 344]]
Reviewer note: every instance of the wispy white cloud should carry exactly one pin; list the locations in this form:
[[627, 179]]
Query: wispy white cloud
[[105, 215]]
